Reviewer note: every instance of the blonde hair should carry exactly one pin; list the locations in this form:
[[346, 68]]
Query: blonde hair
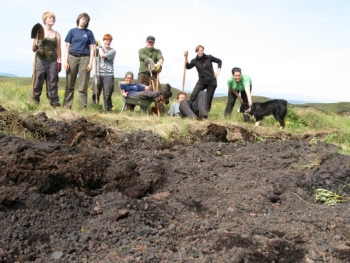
[[48, 14], [198, 47]]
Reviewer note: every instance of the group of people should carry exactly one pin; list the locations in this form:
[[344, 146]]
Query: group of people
[[81, 48]]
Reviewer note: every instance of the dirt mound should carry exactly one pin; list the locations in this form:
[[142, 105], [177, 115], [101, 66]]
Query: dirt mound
[[82, 192]]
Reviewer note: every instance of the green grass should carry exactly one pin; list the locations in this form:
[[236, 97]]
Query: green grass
[[330, 119]]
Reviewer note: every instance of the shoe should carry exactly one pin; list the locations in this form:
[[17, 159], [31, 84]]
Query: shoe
[[166, 92], [55, 104]]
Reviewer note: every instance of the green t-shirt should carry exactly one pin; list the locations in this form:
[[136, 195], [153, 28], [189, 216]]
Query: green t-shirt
[[154, 54], [241, 85]]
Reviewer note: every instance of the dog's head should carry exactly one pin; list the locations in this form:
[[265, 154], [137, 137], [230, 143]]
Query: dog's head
[[245, 109]]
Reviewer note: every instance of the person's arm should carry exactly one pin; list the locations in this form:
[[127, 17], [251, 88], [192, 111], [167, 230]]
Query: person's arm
[[237, 95], [58, 48], [59, 52], [66, 64], [124, 93], [249, 96], [190, 65], [35, 45], [219, 62], [92, 53]]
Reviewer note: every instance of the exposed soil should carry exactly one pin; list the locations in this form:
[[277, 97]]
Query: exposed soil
[[82, 192]]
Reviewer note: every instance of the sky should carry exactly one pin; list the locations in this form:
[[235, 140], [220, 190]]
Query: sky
[[292, 49]]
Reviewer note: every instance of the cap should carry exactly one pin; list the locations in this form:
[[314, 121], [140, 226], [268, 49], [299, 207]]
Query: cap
[[150, 39]]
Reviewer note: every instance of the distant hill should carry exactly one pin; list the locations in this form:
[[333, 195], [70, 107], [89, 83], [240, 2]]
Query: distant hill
[[3, 74]]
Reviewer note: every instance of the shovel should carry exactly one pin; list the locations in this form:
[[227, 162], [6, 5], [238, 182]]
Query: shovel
[[38, 34], [151, 66]]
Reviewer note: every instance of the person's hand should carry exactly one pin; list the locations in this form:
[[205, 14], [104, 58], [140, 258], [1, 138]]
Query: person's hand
[[66, 66], [59, 67], [217, 72], [186, 54], [89, 67], [158, 67], [125, 94], [250, 103], [35, 48]]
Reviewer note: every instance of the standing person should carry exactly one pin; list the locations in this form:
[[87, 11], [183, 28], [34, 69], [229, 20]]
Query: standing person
[[239, 86], [79, 54], [105, 72], [207, 77], [149, 52], [49, 61]]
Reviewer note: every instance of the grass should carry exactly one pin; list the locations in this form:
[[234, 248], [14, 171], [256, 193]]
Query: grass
[[328, 197], [331, 119]]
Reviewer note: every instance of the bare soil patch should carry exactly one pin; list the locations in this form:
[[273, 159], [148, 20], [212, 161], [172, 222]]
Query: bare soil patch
[[82, 192]]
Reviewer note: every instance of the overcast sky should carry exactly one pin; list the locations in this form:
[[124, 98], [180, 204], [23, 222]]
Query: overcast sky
[[292, 49]]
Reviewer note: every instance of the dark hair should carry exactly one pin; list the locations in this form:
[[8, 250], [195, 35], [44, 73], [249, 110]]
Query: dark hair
[[235, 69], [181, 93], [84, 15]]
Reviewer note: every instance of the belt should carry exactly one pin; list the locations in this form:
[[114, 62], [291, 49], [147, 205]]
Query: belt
[[78, 55]]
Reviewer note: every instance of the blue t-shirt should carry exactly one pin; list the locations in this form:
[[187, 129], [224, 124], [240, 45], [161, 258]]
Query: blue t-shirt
[[132, 88], [79, 40]]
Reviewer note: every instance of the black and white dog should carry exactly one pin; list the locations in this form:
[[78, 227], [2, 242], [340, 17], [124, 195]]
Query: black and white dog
[[278, 108]]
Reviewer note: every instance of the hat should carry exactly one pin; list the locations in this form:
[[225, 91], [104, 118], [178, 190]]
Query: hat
[[129, 73], [151, 39]]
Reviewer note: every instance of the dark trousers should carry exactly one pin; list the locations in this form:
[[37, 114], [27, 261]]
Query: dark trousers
[[105, 84], [201, 85], [146, 79], [231, 99], [46, 70], [196, 109]]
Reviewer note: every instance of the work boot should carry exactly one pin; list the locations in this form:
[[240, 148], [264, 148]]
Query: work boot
[[166, 92]]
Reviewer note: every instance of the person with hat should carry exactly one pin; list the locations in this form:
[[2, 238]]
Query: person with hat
[[146, 54], [49, 61], [239, 86]]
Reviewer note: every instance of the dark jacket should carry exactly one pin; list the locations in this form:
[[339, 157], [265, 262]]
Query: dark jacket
[[204, 66]]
